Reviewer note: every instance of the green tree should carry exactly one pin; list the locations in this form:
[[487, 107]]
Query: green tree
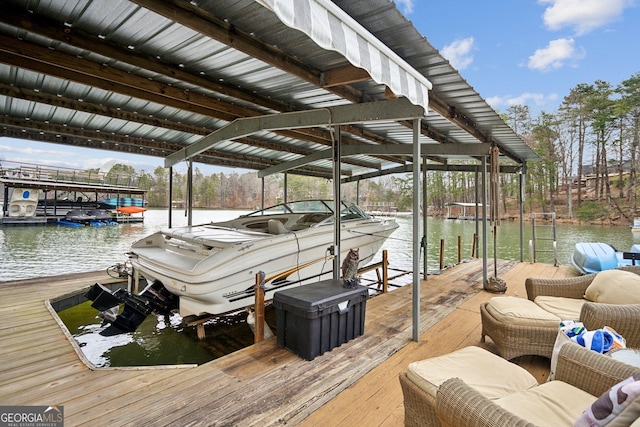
[[545, 137], [574, 110], [601, 108], [629, 91]]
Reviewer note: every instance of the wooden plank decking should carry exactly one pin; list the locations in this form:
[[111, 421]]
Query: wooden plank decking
[[260, 385]]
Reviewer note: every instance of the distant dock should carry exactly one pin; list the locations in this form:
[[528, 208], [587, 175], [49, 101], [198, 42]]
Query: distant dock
[[59, 190], [464, 211]]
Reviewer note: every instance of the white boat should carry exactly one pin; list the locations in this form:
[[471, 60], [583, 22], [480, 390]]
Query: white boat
[[23, 202], [212, 267], [588, 257]]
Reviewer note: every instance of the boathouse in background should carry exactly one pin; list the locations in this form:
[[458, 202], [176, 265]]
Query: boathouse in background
[[342, 90]]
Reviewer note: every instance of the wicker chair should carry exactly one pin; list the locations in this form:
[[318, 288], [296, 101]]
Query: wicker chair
[[624, 318], [459, 405], [519, 340], [513, 341]]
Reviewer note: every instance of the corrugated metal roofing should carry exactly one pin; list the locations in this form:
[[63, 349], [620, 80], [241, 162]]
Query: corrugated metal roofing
[[153, 76]]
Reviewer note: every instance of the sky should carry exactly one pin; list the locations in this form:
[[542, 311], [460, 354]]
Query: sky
[[513, 52]]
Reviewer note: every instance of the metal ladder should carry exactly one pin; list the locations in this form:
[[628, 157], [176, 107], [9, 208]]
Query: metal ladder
[[535, 238]]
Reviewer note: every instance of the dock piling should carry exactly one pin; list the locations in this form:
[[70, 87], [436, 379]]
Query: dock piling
[[258, 331]]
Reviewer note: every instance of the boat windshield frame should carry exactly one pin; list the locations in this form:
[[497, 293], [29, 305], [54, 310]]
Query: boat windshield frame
[[348, 211]]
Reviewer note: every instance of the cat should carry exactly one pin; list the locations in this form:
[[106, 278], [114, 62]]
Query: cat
[[350, 268], [251, 321]]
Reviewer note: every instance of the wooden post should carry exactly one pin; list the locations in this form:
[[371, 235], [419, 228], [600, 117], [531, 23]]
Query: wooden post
[[459, 249], [385, 272], [259, 309], [129, 276], [441, 254], [136, 281]]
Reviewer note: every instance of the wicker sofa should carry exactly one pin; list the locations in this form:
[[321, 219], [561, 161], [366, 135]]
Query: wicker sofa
[[518, 339], [579, 371]]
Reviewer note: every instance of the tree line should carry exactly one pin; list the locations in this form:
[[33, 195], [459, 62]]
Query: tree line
[[588, 149]]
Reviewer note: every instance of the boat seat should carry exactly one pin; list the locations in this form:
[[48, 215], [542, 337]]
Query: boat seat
[[276, 227]]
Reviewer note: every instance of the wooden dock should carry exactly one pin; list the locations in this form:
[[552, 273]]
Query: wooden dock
[[355, 383]]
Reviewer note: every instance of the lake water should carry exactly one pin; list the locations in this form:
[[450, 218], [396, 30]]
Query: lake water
[[28, 252]]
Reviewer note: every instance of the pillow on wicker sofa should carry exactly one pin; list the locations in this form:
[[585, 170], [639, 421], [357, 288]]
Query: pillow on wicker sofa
[[614, 287], [616, 404]]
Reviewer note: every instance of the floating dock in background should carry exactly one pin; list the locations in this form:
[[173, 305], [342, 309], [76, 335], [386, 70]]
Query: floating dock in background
[[81, 189], [355, 383], [464, 211]]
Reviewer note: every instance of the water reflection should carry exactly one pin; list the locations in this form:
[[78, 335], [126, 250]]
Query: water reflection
[[507, 238], [27, 252]]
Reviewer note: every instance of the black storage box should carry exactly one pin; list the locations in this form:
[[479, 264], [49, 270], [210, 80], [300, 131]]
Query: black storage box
[[313, 319]]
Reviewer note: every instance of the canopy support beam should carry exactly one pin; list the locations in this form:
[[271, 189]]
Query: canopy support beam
[[392, 110], [470, 149]]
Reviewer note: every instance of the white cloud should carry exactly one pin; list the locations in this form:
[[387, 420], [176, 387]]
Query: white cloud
[[582, 15], [555, 55], [406, 6], [526, 98], [459, 53]]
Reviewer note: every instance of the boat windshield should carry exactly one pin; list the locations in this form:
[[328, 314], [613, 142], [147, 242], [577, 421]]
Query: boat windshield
[[304, 206], [348, 211]]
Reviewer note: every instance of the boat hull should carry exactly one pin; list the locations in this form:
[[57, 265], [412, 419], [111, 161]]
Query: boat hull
[[213, 268], [23, 203], [589, 258]]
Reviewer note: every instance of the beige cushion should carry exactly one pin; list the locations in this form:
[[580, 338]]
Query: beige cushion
[[521, 311], [614, 287], [564, 308], [551, 404], [486, 372]]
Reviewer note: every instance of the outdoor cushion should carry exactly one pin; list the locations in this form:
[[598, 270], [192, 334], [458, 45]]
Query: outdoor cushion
[[613, 404], [551, 404], [614, 287], [520, 311], [489, 374], [564, 308]]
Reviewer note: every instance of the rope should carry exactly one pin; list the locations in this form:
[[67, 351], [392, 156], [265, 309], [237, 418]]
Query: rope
[[380, 235], [495, 185]]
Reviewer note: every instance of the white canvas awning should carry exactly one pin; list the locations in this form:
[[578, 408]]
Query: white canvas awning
[[331, 28]]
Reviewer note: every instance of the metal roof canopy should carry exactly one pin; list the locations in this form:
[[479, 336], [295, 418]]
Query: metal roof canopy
[[158, 75], [154, 77]]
